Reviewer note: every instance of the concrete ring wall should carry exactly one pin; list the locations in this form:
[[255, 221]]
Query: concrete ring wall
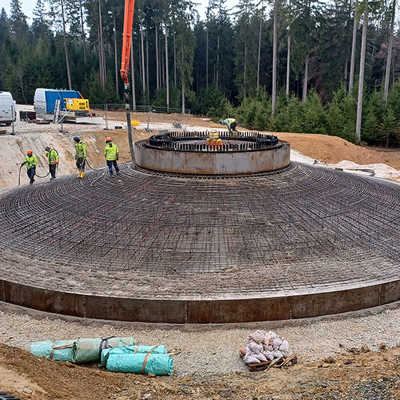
[[212, 163], [181, 311]]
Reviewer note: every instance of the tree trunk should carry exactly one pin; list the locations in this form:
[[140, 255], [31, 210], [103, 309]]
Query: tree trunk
[[244, 70], [157, 62], [207, 58], [389, 54], [166, 66], [83, 33], [259, 56], [162, 68], [102, 58], [147, 68], [361, 80], [217, 67], [353, 50], [274, 55], [183, 81], [133, 78], [115, 60], [393, 74], [174, 59], [143, 66], [288, 64], [305, 82], [66, 47]]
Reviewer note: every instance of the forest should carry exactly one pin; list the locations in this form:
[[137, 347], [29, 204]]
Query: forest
[[327, 67]]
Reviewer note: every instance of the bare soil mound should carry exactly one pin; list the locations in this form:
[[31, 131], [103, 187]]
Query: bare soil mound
[[358, 374], [332, 149]]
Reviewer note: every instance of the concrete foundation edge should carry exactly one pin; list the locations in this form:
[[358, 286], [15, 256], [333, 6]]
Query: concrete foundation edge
[[199, 311]]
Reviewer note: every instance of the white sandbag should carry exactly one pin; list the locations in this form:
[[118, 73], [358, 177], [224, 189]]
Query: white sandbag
[[277, 354], [276, 343], [261, 357], [269, 355], [257, 336], [255, 347], [284, 348], [250, 359], [272, 335]]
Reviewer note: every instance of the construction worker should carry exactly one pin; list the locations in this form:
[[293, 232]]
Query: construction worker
[[80, 156], [230, 123], [30, 162], [111, 154], [52, 157]]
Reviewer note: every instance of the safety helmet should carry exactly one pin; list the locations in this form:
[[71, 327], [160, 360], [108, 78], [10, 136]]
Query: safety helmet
[[76, 139], [29, 152], [108, 139], [47, 148]]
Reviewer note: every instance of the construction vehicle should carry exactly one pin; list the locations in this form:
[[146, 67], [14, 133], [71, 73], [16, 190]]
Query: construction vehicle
[[60, 105], [125, 58], [7, 108]]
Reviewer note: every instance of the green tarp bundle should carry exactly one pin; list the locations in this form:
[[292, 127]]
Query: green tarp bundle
[[141, 363], [60, 350], [89, 350], [78, 350], [131, 350]]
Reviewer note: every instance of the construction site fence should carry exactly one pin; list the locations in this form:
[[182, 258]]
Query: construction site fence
[[145, 108]]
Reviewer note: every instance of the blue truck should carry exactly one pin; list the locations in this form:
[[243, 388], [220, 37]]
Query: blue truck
[[45, 104]]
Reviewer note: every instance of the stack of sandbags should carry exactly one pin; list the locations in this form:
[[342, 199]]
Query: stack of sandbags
[[263, 347]]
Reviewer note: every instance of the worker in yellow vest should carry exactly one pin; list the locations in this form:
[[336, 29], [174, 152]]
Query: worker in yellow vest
[[230, 123], [80, 156], [53, 159], [31, 163], [111, 155]]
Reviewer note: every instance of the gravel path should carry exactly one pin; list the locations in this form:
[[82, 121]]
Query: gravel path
[[208, 350]]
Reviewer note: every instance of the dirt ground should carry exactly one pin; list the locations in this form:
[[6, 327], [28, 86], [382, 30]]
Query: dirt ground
[[355, 374], [185, 119], [333, 149]]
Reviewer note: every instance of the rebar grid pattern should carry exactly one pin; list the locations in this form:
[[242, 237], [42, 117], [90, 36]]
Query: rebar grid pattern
[[305, 229]]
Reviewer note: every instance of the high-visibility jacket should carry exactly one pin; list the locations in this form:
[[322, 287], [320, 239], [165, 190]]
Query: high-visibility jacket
[[31, 161], [111, 152], [52, 157], [229, 121], [80, 150]]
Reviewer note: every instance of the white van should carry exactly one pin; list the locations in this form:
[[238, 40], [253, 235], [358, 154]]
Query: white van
[[7, 108]]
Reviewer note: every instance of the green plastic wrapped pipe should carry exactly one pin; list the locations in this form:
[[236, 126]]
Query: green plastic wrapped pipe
[[141, 363], [60, 350], [89, 349], [131, 350]]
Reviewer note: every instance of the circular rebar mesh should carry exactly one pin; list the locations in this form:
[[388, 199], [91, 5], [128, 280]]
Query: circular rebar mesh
[[156, 235]]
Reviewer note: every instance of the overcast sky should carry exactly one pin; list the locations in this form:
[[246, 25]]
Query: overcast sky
[[28, 6]]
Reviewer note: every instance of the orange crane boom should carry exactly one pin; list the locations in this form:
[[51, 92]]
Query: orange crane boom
[[126, 53], [127, 39]]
